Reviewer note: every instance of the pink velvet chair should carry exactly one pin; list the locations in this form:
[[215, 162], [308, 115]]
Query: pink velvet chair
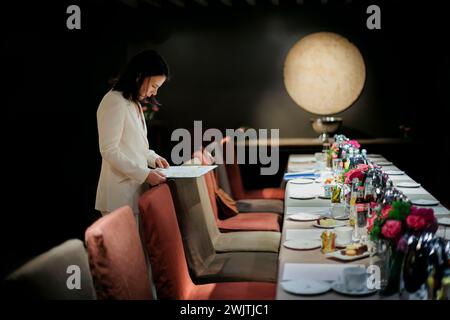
[[237, 186], [221, 178], [239, 192], [170, 271], [116, 257]]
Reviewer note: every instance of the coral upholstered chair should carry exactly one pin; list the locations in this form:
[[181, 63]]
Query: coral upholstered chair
[[116, 257], [170, 271], [244, 204], [251, 221], [237, 186]]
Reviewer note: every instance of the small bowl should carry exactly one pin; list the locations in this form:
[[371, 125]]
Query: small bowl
[[326, 126]]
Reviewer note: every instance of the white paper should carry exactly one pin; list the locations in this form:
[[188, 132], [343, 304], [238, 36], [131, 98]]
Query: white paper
[[299, 168], [186, 171], [408, 191], [310, 210], [303, 234], [302, 190], [301, 158], [324, 272], [440, 211], [403, 177], [443, 232]]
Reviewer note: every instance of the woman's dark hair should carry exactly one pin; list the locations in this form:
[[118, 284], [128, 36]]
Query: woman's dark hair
[[145, 64]]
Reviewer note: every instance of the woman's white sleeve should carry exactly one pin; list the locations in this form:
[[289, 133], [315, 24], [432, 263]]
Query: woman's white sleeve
[[110, 120]]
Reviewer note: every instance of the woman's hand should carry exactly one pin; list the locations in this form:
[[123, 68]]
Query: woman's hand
[[161, 163], [155, 177]]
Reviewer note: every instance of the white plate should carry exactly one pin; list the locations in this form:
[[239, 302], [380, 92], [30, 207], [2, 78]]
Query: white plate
[[338, 224], [303, 217], [342, 218], [305, 197], [342, 245], [385, 163], [338, 255], [425, 202], [322, 196], [444, 221], [339, 287], [299, 160], [394, 172], [374, 156], [302, 244], [408, 185], [301, 181], [306, 286]]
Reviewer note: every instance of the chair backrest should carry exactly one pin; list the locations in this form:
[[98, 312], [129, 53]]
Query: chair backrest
[[211, 185], [197, 242], [206, 158], [210, 178], [230, 174], [62, 273], [117, 258], [164, 244]]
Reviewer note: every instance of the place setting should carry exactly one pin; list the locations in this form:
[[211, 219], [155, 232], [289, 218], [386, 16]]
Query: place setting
[[304, 217], [394, 172], [353, 282], [338, 244], [425, 202], [384, 163], [305, 286], [302, 181], [408, 184], [302, 244], [445, 221], [319, 279], [328, 223]]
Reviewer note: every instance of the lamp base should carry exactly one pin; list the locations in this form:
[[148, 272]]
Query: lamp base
[[326, 126]]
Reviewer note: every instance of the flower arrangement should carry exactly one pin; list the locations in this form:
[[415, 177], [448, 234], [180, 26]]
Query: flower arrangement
[[390, 229], [400, 218], [358, 172], [150, 106], [340, 145]]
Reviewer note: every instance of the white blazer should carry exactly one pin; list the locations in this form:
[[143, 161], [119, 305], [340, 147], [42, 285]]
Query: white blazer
[[125, 153]]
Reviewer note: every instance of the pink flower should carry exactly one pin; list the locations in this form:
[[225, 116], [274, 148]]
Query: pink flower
[[385, 211], [416, 222], [391, 229], [144, 109], [358, 172], [352, 174], [363, 167], [155, 109], [383, 216], [355, 144], [370, 222], [421, 218]]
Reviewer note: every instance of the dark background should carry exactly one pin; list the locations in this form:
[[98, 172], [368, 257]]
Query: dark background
[[226, 65]]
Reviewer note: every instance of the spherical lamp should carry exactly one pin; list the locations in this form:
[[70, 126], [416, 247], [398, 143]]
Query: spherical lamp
[[324, 73]]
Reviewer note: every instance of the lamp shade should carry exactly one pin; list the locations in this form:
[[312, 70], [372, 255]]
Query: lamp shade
[[324, 73]]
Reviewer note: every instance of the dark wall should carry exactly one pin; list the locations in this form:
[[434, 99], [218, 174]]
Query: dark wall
[[227, 71], [228, 65]]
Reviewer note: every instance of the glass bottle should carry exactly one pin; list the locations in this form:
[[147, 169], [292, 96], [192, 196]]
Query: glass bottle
[[352, 204], [360, 230]]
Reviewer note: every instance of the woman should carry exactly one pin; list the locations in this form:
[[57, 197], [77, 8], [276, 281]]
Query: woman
[[122, 131]]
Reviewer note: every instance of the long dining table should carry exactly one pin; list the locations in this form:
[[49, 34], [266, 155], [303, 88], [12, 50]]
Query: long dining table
[[297, 264]]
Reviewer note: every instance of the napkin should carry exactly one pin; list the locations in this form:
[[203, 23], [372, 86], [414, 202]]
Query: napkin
[[323, 272], [302, 174]]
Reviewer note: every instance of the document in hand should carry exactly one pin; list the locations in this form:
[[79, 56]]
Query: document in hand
[[186, 171]]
